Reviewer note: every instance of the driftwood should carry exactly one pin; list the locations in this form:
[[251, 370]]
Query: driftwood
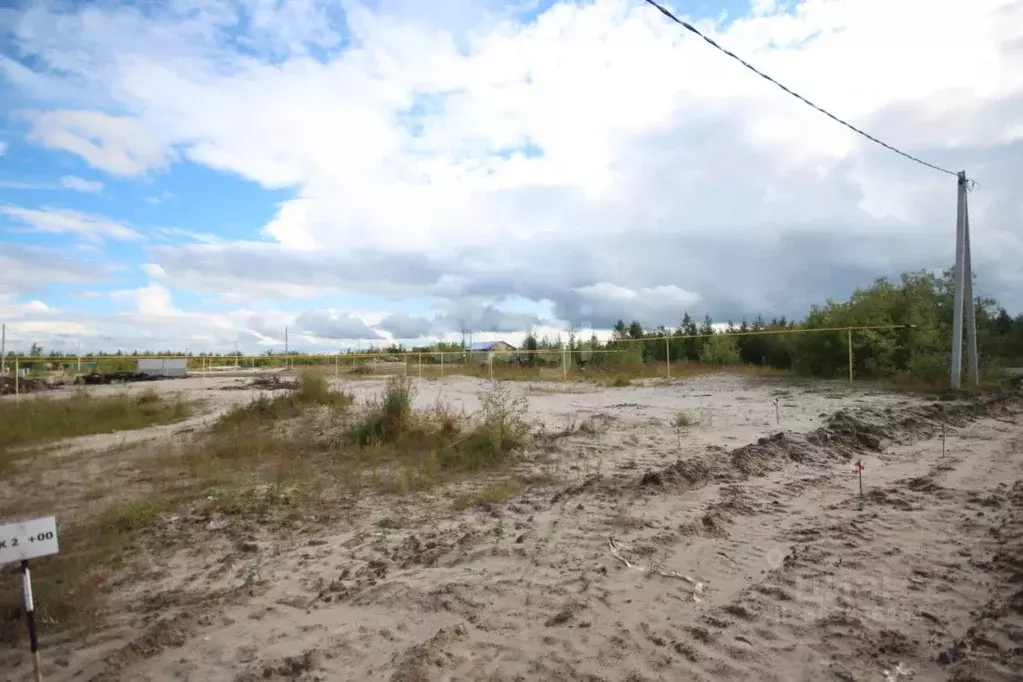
[[695, 586]]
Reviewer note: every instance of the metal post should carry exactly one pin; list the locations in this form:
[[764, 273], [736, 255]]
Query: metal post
[[3, 349], [17, 377], [30, 618], [667, 353], [490, 361], [337, 363], [849, 332], [285, 348], [564, 364], [956, 368], [970, 310], [442, 365], [420, 365]]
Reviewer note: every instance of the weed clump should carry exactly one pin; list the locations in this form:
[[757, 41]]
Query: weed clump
[[438, 439], [684, 419], [389, 419], [314, 389], [500, 430]]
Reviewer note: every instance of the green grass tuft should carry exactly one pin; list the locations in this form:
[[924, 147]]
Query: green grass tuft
[[35, 420]]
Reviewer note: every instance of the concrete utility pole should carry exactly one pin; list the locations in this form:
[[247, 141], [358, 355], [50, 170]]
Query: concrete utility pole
[[285, 348], [963, 298], [972, 361]]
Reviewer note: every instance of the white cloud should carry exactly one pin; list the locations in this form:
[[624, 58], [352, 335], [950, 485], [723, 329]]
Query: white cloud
[[19, 184], [27, 269], [67, 221], [597, 160], [119, 145], [176, 235], [160, 198], [81, 184], [152, 299], [3, 147]]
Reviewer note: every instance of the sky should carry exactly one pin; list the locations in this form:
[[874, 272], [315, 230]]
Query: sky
[[196, 174]]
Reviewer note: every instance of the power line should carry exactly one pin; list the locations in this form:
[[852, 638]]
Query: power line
[[692, 29]]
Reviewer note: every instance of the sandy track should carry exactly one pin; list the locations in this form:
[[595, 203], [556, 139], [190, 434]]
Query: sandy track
[[788, 574]]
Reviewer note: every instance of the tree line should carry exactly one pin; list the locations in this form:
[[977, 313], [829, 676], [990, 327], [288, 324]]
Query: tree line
[[919, 305]]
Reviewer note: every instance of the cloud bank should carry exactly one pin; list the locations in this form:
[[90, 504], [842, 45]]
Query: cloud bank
[[500, 170]]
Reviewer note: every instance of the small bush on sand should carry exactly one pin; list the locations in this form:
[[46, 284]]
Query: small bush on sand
[[388, 419], [684, 419], [313, 389], [500, 429]]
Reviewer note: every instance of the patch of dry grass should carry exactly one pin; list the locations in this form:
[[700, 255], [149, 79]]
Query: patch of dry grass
[[313, 389], [36, 420], [496, 493]]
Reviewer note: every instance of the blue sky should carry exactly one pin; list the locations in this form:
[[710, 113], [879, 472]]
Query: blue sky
[[195, 174]]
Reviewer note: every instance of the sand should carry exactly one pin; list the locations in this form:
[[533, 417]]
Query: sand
[[737, 547]]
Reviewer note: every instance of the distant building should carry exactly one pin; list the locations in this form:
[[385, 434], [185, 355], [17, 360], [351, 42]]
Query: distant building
[[484, 351], [491, 347], [164, 367]]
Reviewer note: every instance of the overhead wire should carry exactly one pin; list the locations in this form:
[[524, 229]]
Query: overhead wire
[[692, 29]]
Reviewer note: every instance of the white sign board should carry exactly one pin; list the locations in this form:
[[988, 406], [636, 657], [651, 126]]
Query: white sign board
[[28, 539]]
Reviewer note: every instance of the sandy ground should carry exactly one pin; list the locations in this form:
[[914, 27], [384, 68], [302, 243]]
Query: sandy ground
[[736, 548]]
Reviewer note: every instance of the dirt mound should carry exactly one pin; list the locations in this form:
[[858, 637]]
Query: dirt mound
[[273, 383], [287, 668], [683, 472], [757, 458], [26, 385], [264, 383], [426, 661], [845, 435], [97, 379]]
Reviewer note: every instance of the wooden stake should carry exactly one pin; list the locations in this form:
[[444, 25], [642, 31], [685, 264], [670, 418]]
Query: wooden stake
[[30, 618], [849, 338], [667, 353]]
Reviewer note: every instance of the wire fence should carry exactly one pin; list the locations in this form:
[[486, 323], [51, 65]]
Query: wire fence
[[650, 356]]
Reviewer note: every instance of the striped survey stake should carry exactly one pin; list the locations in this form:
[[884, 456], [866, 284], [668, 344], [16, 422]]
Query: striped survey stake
[[22, 541]]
